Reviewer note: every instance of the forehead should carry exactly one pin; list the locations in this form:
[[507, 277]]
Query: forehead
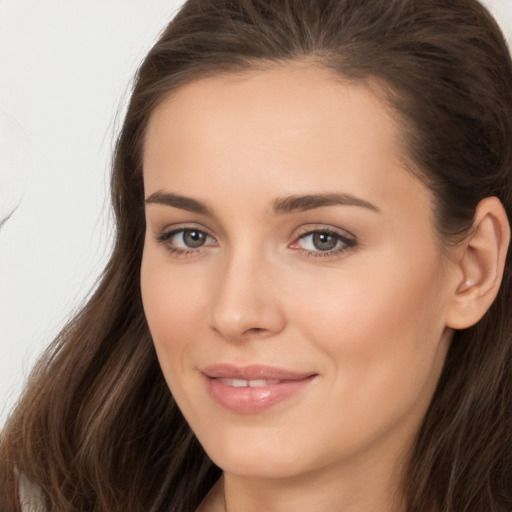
[[260, 102], [276, 131]]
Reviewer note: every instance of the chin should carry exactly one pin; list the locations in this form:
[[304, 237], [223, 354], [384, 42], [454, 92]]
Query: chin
[[258, 466], [264, 456]]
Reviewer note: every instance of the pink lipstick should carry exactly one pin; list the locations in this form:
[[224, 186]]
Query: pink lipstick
[[252, 389]]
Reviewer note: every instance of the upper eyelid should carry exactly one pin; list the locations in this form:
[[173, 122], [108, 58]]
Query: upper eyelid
[[315, 228], [165, 238], [176, 228], [297, 233], [348, 241]]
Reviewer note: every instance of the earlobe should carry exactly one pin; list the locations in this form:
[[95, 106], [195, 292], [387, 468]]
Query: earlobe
[[480, 265]]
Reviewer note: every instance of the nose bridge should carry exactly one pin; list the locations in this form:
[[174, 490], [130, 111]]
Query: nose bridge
[[244, 302]]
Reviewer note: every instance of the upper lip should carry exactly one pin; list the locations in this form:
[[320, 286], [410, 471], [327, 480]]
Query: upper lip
[[252, 372]]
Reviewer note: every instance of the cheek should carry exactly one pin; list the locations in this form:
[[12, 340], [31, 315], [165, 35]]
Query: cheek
[[173, 307], [381, 329], [377, 314]]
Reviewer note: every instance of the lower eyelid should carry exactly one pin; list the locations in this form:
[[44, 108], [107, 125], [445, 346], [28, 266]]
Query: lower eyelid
[[164, 239], [329, 254]]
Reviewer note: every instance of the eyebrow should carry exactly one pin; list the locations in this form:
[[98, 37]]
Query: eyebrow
[[300, 203], [177, 201], [289, 204]]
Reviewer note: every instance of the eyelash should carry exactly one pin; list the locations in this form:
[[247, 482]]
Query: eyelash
[[165, 237], [347, 244]]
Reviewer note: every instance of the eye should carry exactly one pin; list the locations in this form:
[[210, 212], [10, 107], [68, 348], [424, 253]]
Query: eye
[[323, 242], [184, 241], [189, 238]]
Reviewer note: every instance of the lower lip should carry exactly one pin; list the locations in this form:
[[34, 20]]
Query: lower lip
[[249, 400]]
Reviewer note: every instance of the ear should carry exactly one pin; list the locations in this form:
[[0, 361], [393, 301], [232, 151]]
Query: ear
[[480, 265]]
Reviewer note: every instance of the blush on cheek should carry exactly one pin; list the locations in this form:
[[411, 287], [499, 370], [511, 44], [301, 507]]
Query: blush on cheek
[[160, 305], [376, 317], [174, 309]]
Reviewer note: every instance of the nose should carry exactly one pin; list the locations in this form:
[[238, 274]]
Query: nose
[[246, 302]]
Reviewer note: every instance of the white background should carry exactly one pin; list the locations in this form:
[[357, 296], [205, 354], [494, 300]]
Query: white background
[[65, 70]]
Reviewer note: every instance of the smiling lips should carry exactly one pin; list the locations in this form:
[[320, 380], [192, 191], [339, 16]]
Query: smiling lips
[[254, 388]]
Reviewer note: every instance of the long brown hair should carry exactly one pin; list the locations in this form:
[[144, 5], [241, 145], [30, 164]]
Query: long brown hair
[[97, 428]]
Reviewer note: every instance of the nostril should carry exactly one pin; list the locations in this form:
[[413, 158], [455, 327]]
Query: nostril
[[255, 331]]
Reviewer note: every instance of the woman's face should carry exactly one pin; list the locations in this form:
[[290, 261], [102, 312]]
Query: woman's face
[[292, 279]]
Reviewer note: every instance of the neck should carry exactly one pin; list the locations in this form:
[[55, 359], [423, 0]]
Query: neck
[[322, 493], [369, 481]]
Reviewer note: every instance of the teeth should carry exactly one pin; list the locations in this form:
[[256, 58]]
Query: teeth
[[241, 383], [258, 383]]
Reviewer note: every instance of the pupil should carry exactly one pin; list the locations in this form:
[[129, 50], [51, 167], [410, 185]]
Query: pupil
[[193, 238], [324, 241]]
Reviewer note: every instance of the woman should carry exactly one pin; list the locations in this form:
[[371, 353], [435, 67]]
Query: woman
[[313, 204]]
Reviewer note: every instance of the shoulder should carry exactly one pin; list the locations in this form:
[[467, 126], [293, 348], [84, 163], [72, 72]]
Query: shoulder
[[31, 496]]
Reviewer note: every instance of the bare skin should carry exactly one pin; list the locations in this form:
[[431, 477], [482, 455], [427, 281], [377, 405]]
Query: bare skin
[[354, 291]]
